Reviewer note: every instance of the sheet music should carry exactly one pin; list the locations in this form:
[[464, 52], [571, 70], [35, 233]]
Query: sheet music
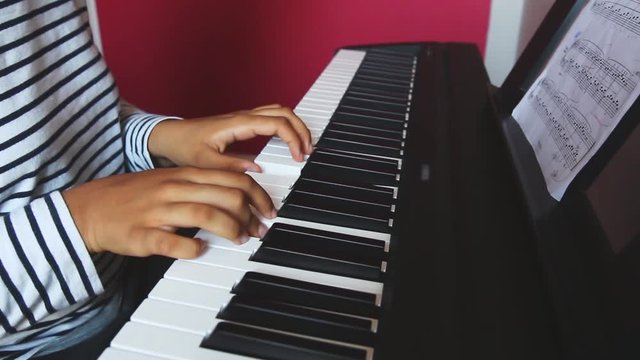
[[582, 94]]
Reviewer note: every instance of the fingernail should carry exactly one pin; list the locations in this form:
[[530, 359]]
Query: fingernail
[[274, 214], [203, 247], [262, 230], [243, 239], [309, 148], [253, 167]]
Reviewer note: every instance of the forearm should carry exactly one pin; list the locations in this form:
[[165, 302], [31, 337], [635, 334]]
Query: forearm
[[44, 264]]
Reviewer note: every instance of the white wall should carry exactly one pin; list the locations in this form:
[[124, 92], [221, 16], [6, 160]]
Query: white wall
[[511, 25], [93, 21]]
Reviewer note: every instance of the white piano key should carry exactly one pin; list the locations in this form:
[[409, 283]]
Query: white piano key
[[312, 101], [316, 104], [272, 179], [319, 121], [313, 122], [278, 165], [336, 76], [183, 318], [315, 138], [276, 142], [330, 88], [341, 70], [118, 354], [325, 95], [331, 95], [339, 229], [315, 112], [249, 247], [219, 258], [180, 292], [345, 64], [277, 191], [343, 67], [329, 84], [276, 150], [175, 316], [277, 202], [336, 90], [166, 343], [223, 278], [342, 62], [322, 93], [218, 241], [314, 126]]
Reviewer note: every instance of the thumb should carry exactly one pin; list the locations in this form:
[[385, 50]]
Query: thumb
[[232, 163]]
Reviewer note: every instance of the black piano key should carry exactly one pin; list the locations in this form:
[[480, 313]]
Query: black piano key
[[249, 341], [384, 79], [367, 89], [365, 130], [376, 96], [299, 320], [324, 170], [351, 134], [320, 209], [369, 249], [380, 86], [385, 71], [369, 121], [346, 205], [376, 104], [361, 144], [381, 64], [305, 261], [396, 50], [359, 192], [324, 163], [321, 251], [308, 294], [385, 59], [395, 115]]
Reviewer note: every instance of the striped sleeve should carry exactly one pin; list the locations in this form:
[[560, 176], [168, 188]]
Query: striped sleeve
[[137, 126], [44, 264]]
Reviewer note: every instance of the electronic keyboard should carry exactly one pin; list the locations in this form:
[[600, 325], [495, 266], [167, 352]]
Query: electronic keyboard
[[420, 227], [312, 287]]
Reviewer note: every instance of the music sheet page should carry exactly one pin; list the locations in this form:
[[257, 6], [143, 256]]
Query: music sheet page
[[585, 89]]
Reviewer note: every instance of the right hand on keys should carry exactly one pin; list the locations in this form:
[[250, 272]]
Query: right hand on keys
[[137, 214], [202, 142]]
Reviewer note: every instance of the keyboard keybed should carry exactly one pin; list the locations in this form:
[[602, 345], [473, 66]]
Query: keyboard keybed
[[311, 288]]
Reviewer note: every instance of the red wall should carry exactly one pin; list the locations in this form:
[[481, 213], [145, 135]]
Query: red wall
[[201, 57]]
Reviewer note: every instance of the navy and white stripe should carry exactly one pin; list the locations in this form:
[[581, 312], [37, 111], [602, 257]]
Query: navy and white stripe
[[61, 124]]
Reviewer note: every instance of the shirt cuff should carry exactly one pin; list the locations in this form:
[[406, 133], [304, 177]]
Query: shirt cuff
[[138, 128]]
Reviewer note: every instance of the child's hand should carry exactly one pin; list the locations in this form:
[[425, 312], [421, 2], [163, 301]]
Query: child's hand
[[202, 141], [137, 214]]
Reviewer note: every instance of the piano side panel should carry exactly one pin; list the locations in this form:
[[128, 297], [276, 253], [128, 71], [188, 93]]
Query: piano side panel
[[466, 280]]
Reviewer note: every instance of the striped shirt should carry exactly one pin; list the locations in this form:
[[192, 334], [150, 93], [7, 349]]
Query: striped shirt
[[61, 124]]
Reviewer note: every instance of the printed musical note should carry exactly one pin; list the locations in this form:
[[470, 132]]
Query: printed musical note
[[625, 16], [566, 125], [585, 89], [608, 82]]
